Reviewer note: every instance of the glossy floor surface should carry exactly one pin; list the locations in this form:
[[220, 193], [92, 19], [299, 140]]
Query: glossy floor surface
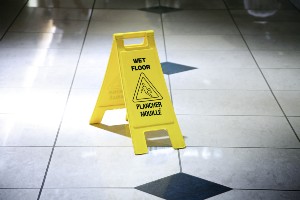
[[236, 97]]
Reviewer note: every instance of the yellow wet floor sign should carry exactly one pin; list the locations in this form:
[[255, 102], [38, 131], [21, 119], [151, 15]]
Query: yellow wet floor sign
[[134, 80]]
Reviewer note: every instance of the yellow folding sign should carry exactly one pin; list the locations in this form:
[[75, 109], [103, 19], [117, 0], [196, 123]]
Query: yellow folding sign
[[134, 80]]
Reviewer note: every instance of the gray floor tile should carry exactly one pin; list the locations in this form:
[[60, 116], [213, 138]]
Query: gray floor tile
[[130, 4], [225, 102], [257, 5], [23, 131], [277, 59], [212, 59], [33, 13], [104, 167], [194, 4], [49, 26], [273, 42], [279, 15], [2, 32], [197, 16], [45, 103], [36, 77], [109, 28], [237, 131], [289, 101], [16, 194], [60, 4], [199, 28], [82, 101], [76, 131], [205, 42], [99, 43], [23, 167], [117, 15], [17, 57], [96, 193], [7, 16], [9, 99], [283, 79], [12, 3], [295, 3], [42, 41], [205, 78], [295, 121], [244, 168], [258, 194], [95, 58], [89, 77], [254, 28]]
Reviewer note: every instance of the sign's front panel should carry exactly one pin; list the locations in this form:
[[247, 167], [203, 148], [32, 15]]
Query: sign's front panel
[[147, 98]]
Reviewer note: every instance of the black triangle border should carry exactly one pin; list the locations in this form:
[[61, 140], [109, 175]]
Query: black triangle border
[[137, 89]]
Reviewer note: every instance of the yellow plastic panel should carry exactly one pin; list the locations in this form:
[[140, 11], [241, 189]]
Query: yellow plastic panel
[[136, 71]]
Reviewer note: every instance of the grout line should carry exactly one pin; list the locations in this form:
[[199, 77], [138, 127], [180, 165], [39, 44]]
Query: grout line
[[298, 9], [163, 32], [228, 10], [166, 55], [169, 81], [179, 158], [14, 20], [68, 97]]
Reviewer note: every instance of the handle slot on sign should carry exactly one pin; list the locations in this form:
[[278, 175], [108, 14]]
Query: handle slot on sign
[[125, 40], [134, 41]]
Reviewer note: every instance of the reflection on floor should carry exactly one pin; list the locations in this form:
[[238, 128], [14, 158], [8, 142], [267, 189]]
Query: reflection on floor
[[232, 68]]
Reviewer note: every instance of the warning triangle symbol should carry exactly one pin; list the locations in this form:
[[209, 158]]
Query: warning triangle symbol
[[145, 90]]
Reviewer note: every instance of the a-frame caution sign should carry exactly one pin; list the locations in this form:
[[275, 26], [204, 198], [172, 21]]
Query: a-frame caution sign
[[134, 80]]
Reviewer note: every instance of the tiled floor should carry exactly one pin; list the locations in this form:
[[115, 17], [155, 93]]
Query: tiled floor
[[236, 96]]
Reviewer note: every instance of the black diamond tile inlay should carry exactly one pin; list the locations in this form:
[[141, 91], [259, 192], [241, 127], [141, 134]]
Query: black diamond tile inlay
[[182, 186], [160, 9], [173, 68]]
